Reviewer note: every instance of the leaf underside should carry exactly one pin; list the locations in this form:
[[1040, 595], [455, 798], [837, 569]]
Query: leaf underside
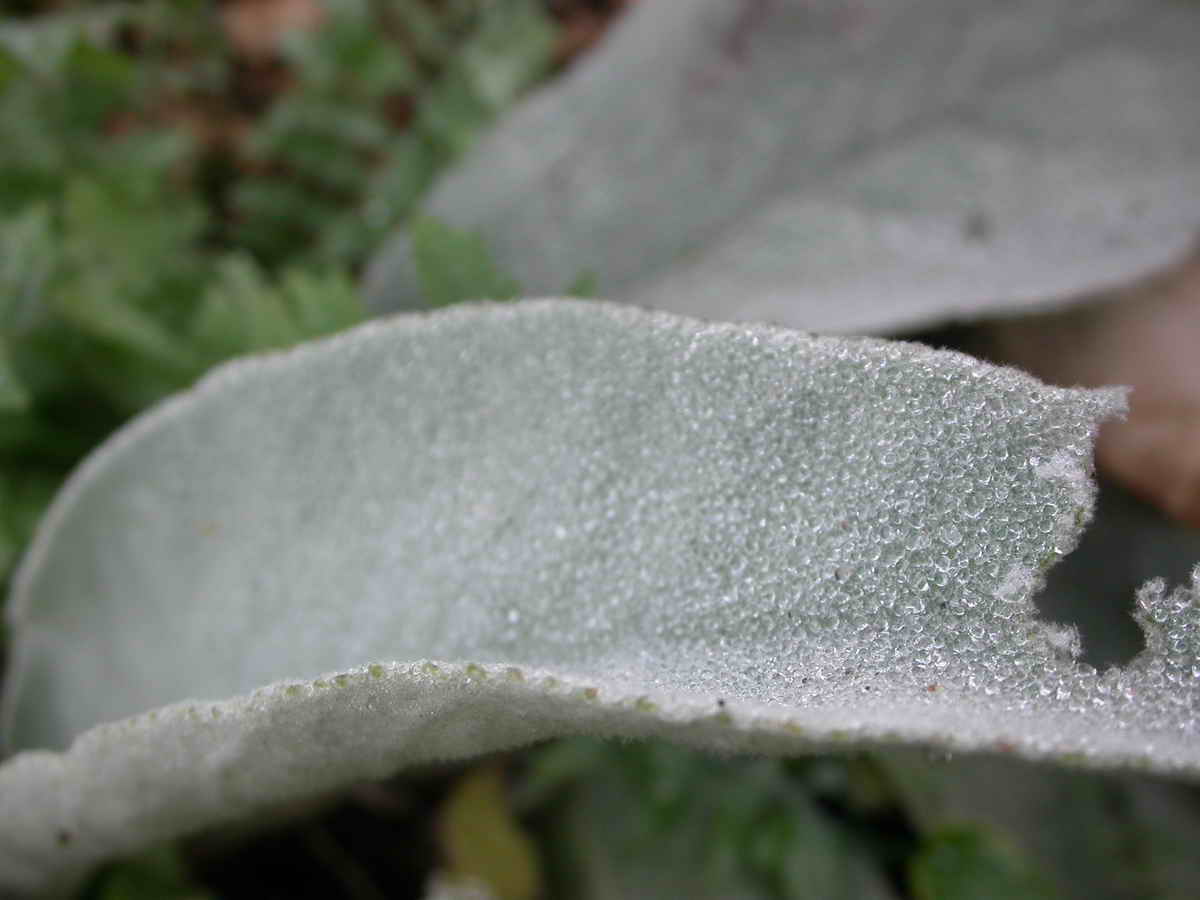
[[501, 523]]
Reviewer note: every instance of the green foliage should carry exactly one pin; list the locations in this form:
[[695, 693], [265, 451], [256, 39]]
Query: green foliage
[[586, 286], [340, 165], [789, 829], [455, 265], [793, 829], [244, 311], [157, 875], [69, 101], [23, 496], [311, 154], [965, 863]]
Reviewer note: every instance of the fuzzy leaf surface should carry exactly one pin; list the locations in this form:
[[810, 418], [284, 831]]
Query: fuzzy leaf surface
[[441, 535]]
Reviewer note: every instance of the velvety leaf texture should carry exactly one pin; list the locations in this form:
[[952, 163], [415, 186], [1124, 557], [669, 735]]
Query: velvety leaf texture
[[845, 165], [446, 534]]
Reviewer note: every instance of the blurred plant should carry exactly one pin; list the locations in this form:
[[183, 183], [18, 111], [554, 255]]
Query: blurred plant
[[159, 874], [348, 152], [815, 827], [150, 227]]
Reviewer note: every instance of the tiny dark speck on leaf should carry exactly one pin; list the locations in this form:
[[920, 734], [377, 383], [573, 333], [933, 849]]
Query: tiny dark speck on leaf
[[721, 703], [977, 226]]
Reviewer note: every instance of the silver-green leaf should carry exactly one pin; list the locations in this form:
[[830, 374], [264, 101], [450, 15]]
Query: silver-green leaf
[[440, 535], [845, 165]]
